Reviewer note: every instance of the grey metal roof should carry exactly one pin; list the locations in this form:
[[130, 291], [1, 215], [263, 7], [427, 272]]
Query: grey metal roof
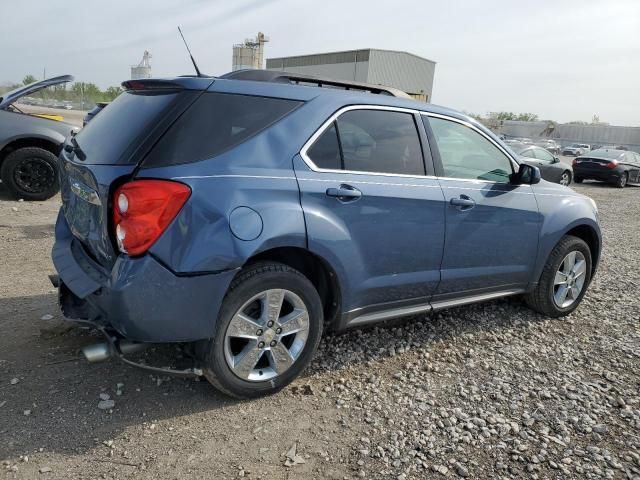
[[345, 56]]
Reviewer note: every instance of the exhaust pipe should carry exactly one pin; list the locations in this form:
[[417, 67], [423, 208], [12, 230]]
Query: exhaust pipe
[[100, 352]]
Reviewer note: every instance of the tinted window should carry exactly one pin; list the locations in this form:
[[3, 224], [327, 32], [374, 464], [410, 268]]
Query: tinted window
[[108, 136], [215, 123], [527, 153], [467, 154], [380, 141], [542, 154], [325, 152]]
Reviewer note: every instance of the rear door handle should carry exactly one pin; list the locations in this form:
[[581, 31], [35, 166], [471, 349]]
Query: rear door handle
[[463, 202], [344, 192]]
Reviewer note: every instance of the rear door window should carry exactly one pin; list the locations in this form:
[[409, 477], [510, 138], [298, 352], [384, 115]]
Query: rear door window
[[380, 141], [215, 123], [370, 141]]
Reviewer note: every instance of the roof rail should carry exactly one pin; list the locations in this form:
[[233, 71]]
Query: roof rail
[[297, 79]]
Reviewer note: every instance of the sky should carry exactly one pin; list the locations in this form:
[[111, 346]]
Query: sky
[[563, 60]]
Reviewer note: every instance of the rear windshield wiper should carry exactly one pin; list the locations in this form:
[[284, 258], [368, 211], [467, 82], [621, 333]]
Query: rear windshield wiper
[[75, 148]]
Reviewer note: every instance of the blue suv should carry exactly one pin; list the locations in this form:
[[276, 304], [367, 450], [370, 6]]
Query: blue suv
[[244, 215]]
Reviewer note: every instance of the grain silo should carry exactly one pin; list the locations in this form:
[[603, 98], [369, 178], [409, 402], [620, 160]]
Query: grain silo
[[249, 54], [143, 69]]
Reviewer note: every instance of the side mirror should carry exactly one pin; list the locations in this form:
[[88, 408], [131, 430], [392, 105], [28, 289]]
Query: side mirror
[[556, 160], [526, 175]]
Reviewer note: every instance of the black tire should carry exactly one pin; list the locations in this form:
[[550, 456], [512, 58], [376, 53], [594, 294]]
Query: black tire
[[541, 298], [622, 181], [569, 174], [31, 173], [578, 179], [251, 281]]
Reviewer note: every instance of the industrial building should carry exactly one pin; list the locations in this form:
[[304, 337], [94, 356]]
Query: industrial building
[[249, 54], [402, 70], [143, 69], [567, 133]]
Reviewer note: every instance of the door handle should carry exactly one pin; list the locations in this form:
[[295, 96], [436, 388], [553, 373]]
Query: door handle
[[344, 192], [463, 202]]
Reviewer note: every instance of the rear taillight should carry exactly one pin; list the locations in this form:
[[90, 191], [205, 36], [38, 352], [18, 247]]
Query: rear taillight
[[575, 162], [143, 209], [612, 164]]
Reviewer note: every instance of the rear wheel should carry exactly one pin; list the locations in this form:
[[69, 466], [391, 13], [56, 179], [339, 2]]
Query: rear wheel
[[31, 173], [565, 178], [622, 181], [268, 329], [564, 279]]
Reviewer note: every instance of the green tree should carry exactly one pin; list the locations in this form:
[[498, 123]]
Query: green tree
[[111, 93], [29, 79], [527, 117]]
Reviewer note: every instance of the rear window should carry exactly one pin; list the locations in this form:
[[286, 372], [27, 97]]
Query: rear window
[[108, 136], [215, 123], [606, 153]]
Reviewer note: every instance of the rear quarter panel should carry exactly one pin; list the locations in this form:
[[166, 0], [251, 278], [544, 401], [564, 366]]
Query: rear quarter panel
[[258, 175]]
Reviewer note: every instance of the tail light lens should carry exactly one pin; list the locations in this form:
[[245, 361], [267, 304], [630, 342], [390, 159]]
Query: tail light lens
[[143, 209], [574, 163], [612, 164]]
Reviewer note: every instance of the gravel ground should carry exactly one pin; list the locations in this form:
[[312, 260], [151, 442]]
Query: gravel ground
[[487, 391]]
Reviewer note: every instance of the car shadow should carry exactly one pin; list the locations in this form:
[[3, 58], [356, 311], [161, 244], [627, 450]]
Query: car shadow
[[4, 193], [54, 405]]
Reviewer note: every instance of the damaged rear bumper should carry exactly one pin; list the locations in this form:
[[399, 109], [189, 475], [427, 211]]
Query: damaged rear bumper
[[139, 298]]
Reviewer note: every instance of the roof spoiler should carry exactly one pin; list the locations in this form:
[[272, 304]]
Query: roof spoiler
[[151, 84], [297, 79]]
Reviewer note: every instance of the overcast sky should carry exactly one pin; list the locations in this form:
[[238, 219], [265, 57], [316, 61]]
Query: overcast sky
[[563, 60]]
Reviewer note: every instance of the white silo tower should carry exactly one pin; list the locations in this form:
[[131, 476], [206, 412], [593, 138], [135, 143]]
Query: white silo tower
[[249, 54], [143, 69]]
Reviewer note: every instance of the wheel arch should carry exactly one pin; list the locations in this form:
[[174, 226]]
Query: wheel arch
[[590, 236], [23, 142], [316, 269]]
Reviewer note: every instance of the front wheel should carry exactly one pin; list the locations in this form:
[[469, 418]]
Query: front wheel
[[268, 329], [31, 173], [564, 279], [565, 178]]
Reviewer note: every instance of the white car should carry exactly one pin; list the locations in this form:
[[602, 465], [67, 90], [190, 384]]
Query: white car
[[576, 149]]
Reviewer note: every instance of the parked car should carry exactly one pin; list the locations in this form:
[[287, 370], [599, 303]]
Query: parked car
[[576, 149], [247, 214], [550, 145], [30, 144], [617, 167], [93, 112], [513, 141], [526, 141], [551, 168]]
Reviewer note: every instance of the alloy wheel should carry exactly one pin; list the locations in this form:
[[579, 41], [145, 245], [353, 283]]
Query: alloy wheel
[[569, 279], [266, 335], [34, 175], [565, 179]]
